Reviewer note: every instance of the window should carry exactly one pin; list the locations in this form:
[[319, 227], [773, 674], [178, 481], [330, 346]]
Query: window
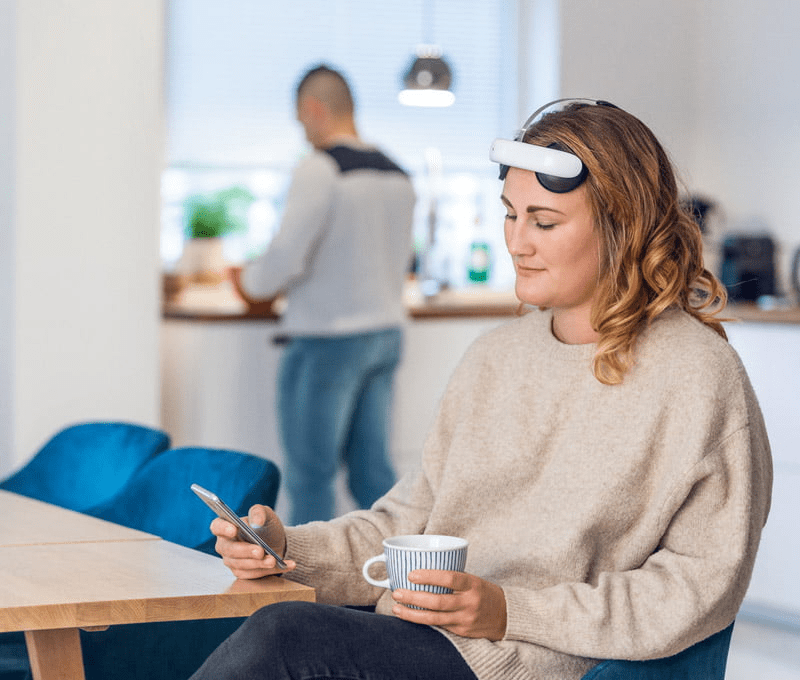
[[232, 69]]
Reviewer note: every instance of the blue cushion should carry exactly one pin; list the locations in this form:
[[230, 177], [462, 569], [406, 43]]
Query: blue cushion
[[158, 499], [13, 657], [85, 464], [705, 660]]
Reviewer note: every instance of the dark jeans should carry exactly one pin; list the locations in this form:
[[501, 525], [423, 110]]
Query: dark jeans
[[305, 641]]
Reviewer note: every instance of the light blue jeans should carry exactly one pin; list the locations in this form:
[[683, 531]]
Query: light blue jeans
[[334, 406]]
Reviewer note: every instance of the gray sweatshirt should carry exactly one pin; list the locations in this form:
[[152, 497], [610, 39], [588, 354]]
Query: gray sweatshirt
[[343, 249]]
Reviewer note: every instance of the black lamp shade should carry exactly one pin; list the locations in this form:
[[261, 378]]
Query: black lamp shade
[[428, 79], [428, 73]]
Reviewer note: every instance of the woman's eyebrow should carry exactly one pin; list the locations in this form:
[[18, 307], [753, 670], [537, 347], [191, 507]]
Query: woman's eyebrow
[[537, 208], [532, 208]]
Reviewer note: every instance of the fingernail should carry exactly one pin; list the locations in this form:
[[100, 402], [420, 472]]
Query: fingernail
[[397, 595]]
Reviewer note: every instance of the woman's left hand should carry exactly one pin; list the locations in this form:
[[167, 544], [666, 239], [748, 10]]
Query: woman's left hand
[[475, 609]]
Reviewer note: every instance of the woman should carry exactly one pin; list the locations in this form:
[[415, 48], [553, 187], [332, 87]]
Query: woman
[[604, 454]]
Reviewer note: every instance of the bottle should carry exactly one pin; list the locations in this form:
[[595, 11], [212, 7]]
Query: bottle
[[480, 262]]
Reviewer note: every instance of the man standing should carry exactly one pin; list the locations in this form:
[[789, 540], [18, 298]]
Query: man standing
[[340, 259]]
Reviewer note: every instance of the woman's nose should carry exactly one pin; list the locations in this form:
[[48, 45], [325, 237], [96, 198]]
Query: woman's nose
[[516, 240]]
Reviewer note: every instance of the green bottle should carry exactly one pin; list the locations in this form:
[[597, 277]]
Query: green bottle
[[480, 262]]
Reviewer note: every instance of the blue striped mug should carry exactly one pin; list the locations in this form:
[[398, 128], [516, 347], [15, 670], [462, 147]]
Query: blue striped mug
[[403, 554]]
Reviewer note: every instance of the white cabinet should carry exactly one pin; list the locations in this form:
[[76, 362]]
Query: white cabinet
[[218, 385], [771, 354]]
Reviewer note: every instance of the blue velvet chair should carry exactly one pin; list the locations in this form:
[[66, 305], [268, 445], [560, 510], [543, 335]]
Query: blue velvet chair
[[158, 499], [84, 464], [13, 657], [80, 466], [705, 660]]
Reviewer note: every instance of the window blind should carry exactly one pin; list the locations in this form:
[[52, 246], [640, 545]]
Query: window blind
[[232, 68]]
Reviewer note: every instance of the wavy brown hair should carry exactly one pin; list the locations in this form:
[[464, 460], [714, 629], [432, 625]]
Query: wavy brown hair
[[651, 252]]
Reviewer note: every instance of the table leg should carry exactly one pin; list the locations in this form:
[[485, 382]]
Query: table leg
[[55, 654]]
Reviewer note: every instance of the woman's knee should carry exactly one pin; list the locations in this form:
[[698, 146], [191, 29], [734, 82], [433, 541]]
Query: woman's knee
[[280, 619]]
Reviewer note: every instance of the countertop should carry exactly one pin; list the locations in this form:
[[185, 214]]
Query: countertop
[[219, 302]]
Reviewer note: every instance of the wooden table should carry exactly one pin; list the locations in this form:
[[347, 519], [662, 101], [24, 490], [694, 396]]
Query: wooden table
[[50, 590], [26, 521]]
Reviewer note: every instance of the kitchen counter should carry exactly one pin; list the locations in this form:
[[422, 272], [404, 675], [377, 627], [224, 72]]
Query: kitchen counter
[[212, 303], [221, 303]]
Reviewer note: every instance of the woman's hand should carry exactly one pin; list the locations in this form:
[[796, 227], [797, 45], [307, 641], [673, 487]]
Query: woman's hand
[[475, 609], [246, 560]]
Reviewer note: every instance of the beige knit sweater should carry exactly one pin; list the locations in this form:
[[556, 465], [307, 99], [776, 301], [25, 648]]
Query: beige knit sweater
[[621, 521]]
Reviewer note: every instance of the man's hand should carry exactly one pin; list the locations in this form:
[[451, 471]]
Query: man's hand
[[235, 275], [246, 560], [258, 307], [475, 609]]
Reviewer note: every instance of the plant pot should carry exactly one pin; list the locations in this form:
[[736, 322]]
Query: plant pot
[[203, 261]]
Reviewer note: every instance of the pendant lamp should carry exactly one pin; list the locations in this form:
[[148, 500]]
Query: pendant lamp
[[428, 78]]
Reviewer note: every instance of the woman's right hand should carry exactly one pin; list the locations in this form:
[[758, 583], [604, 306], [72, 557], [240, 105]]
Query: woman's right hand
[[244, 559]]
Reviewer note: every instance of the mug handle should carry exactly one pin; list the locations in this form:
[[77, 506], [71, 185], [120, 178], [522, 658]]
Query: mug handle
[[365, 571]]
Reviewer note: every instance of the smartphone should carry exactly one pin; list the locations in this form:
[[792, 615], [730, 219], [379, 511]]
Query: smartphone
[[246, 532]]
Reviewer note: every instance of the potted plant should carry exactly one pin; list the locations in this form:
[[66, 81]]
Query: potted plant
[[209, 218]]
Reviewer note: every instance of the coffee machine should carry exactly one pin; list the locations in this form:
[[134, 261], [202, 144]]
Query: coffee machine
[[748, 267]]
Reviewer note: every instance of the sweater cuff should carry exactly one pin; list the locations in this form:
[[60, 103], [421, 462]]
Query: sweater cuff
[[523, 621], [299, 543]]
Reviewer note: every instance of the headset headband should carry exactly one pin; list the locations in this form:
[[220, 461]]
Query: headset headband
[[556, 167]]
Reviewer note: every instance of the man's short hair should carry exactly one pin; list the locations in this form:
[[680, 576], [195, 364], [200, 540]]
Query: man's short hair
[[329, 86]]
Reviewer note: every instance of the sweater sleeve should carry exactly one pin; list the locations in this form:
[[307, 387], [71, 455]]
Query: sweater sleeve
[[688, 589], [330, 554], [303, 223]]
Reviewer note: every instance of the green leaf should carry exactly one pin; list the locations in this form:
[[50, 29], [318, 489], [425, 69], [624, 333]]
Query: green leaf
[[217, 214]]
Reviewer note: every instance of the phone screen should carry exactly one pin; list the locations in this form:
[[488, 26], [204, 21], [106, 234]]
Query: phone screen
[[245, 530]]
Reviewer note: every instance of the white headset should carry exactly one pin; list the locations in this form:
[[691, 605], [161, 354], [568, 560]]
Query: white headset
[[557, 168]]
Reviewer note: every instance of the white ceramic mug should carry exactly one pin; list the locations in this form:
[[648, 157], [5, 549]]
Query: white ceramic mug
[[403, 554]]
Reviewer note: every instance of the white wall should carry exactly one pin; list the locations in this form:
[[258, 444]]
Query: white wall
[[716, 81], [538, 55], [747, 131], [638, 54], [7, 193], [81, 202]]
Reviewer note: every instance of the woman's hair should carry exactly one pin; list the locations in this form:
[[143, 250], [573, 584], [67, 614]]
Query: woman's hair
[[651, 251]]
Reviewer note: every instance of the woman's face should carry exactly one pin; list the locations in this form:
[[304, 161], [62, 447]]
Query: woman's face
[[553, 243]]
